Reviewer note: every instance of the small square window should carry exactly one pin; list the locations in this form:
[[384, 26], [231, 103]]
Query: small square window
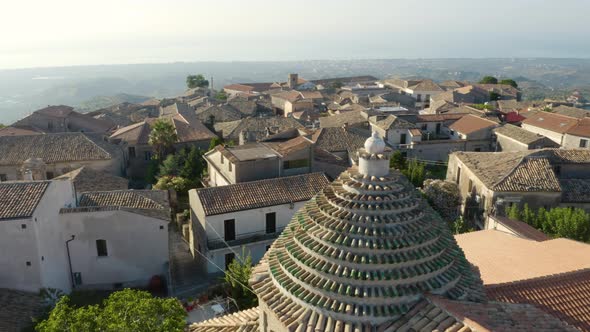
[[23, 226], [3, 177], [28, 263], [101, 248], [583, 143], [161, 227]]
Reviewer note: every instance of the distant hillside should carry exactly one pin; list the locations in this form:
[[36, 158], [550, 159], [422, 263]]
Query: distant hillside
[[101, 102]]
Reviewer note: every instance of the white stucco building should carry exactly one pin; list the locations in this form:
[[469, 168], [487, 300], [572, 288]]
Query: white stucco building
[[105, 239], [251, 215]]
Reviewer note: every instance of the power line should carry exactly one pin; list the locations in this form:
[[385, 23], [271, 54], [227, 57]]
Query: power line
[[223, 270]]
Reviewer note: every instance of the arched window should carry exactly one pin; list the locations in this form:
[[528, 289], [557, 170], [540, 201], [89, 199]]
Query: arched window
[[101, 248]]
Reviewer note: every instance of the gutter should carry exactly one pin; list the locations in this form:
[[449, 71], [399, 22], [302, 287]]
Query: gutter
[[70, 261]]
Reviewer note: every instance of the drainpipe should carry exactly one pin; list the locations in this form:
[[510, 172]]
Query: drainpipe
[[70, 260]]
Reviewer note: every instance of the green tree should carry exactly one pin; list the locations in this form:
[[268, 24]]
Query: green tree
[[126, 310], [193, 167], [509, 81], [415, 172], [2, 126], [171, 166], [337, 85], [444, 197], [177, 183], [397, 161], [513, 212], [489, 80], [494, 96], [459, 226], [152, 171], [237, 275], [528, 215], [221, 95], [196, 81], [215, 141], [162, 137]]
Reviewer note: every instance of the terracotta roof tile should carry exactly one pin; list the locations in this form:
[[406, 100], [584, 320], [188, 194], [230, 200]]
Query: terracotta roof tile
[[582, 128], [18, 308], [554, 122], [532, 174], [565, 296], [241, 321], [470, 123], [521, 229], [20, 199], [52, 148], [257, 194], [518, 134], [134, 199], [86, 179], [338, 120]]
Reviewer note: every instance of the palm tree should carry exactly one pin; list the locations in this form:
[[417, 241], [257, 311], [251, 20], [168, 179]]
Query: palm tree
[[162, 137]]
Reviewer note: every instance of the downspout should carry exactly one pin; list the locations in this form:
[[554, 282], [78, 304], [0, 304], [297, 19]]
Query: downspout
[[70, 260]]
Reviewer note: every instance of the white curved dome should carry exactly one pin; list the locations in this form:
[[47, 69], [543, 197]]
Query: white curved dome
[[374, 144]]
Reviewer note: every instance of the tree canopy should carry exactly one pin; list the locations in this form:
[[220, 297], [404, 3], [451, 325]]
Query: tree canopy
[[126, 310], [559, 222], [182, 170], [236, 277], [196, 81], [221, 96], [162, 137], [509, 81], [489, 80]]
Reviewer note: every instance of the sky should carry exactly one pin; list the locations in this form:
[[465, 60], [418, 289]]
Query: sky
[[41, 33]]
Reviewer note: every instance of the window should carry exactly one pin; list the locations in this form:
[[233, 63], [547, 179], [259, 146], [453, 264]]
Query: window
[[458, 179], [438, 126], [147, 155], [477, 149], [427, 98], [299, 163], [28, 263], [229, 229], [452, 132], [23, 226], [267, 247], [470, 185], [49, 175], [557, 170], [131, 152], [228, 259], [583, 143], [419, 97], [271, 222], [3, 177], [424, 126], [50, 124], [221, 158], [229, 166], [483, 202], [101, 248]]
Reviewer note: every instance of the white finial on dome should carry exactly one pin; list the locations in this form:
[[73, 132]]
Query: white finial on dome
[[374, 144]]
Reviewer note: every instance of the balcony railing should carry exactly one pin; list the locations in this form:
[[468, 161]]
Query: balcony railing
[[243, 238]]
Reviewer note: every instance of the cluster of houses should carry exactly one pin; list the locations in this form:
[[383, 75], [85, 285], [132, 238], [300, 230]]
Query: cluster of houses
[[67, 208]]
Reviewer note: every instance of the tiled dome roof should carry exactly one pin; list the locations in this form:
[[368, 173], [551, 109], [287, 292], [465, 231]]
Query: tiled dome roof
[[363, 251]]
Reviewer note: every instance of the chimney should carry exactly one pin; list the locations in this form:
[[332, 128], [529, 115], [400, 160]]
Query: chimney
[[293, 79], [28, 175], [243, 139]]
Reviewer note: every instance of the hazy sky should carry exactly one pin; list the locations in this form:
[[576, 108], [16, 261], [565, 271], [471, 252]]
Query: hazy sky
[[73, 32]]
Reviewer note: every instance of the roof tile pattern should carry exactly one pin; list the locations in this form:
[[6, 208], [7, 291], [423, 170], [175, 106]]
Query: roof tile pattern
[[532, 174], [565, 296], [575, 190], [19, 199], [360, 255], [257, 194], [52, 148], [134, 199], [241, 321], [471, 123]]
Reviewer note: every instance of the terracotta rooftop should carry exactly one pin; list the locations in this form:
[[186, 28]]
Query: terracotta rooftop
[[553, 122], [531, 174], [134, 199], [518, 134], [582, 128], [573, 112], [565, 296], [18, 308], [259, 127], [86, 179], [220, 113], [496, 254], [392, 122], [340, 139], [19, 131], [241, 321], [575, 190], [59, 111], [19, 200], [261, 193], [470, 123], [520, 229], [53, 148], [350, 118]]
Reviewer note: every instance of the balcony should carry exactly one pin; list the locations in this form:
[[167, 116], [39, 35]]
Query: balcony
[[244, 238]]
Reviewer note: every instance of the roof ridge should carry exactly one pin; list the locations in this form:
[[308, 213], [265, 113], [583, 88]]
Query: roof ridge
[[134, 191], [545, 277], [263, 180], [100, 147]]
